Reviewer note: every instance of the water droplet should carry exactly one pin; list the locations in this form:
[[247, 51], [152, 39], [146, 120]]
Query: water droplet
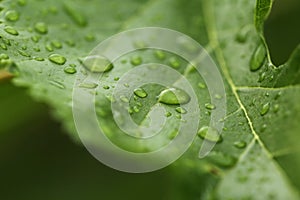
[[4, 56], [180, 110], [90, 37], [210, 106], [265, 108], [124, 99], [97, 64], [276, 108], [35, 38], [37, 49], [78, 18], [49, 47], [240, 144], [160, 54], [262, 77], [10, 30], [3, 46], [12, 15], [57, 44], [39, 59], [258, 58], [136, 60], [210, 134], [174, 62], [130, 111], [173, 134], [70, 42], [116, 78], [57, 84], [136, 109], [70, 70], [201, 85], [41, 28], [168, 114], [278, 95], [173, 96], [88, 85], [23, 53], [106, 87], [57, 59], [140, 92]]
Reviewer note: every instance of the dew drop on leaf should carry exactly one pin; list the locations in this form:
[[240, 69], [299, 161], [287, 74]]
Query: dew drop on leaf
[[160, 54], [222, 159], [57, 44], [258, 58], [210, 106], [174, 62], [140, 92], [105, 87], [173, 96], [39, 59], [57, 59], [88, 85], [10, 30], [265, 109], [210, 134], [97, 64], [124, 99], [70, 70], [180, 110], [240, 144], [41, 28], [168, 114], [12, 15], [136, 60]]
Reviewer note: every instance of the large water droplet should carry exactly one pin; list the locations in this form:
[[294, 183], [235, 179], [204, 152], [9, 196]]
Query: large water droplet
[[57, 59], [41, 28], [140, 92], [97, 64], [10, 30], [12, 15], [265, 109], [209, 133], [173, 96], [258, 58]]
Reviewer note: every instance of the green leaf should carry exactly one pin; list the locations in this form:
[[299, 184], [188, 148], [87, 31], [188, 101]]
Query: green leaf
[[258, 156]]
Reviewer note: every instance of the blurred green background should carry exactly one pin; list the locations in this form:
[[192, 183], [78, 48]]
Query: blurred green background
[[39, 161]]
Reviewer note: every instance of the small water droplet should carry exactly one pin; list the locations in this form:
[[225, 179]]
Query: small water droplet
[[57, 59], [136, 109], [265, 109], [276, 108], [23, 53], [49, 47], [37, 49], [3, 46], [106, 87], [173, 96], [97, 64], [39, 59], [242, 35], [201, 85], [168, 114], [35, 38], [70, 70], [160, 54], [12, 15], [173, 134], [180, 110], [240, 144], [116, 78], [57, 44], [130, 111], [210, 134], [278, 95], [10, 30], [210, 106], [4, 56], [262, 77], [22, 2], [140, 92], [41, 28], [136, 60], [90, 37], [124, 99], [174, 62], [88, 85], [258, 58]]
